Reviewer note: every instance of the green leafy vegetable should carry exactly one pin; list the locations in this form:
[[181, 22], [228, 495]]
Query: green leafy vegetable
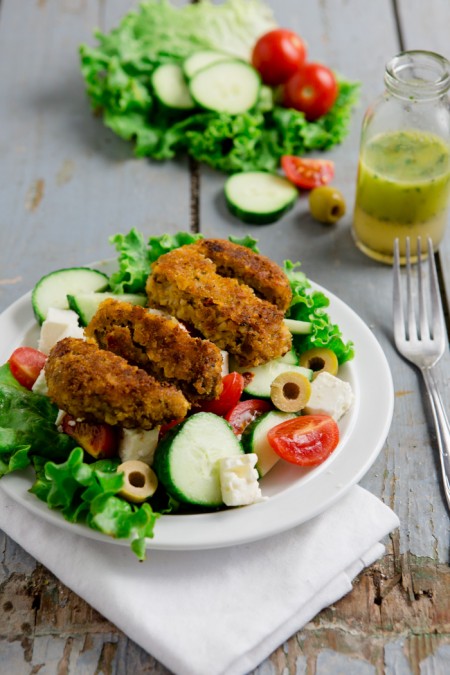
[[86, 493], [27, 426], [134, 262], [118, 72], [310, 306], [246, 241], [167, 242], [8, 379]]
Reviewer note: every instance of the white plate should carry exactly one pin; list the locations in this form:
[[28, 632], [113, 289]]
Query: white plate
[[295, 495]]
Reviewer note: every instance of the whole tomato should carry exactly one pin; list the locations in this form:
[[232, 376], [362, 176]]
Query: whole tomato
[[277, 55], [313, 90]]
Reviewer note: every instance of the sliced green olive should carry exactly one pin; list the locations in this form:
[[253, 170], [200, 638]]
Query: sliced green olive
[[319, 359], [140, 481], [326, 204], [290, 392]]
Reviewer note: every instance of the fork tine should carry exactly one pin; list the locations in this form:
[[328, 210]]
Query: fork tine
[[423, 316], [399, 319], [436, 303], [412, 327]]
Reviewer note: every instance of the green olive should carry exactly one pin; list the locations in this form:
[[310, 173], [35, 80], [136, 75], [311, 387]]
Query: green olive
[[140, 481], [290, 392], [319, 359], [326, 204]]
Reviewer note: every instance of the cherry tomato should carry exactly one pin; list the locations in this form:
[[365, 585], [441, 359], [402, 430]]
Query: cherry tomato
[[25, 364], [306, 440], [233, 386], [307, 173], [313, 90], [277, 55], [99, 440], [245, 412]]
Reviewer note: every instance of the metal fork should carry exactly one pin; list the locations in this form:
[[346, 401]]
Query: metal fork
[[420, 337]]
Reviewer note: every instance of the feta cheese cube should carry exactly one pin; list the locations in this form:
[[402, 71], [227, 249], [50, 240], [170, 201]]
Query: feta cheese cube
[[138, 444], [40, 384], [239, 480], [329, 396], [59, 324]]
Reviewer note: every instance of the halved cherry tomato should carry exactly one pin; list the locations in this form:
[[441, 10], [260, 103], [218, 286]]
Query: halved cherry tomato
[[25, 364], [307, 173], [313, 90], [233, 386], [306, 440], [245, 412], [277, 55], [99, 440]]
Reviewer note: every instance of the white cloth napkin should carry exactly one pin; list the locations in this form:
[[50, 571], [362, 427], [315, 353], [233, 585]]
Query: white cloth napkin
[[218, 612]]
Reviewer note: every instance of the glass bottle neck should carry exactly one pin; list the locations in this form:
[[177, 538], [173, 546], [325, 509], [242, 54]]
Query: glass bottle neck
[[418, 75]]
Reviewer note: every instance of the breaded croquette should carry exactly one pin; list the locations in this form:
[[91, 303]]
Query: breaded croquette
[[98, 386], [161, 346], [185, 283], [257, 271]]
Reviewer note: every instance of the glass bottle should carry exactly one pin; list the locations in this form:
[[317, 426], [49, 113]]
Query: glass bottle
[[403, 184]]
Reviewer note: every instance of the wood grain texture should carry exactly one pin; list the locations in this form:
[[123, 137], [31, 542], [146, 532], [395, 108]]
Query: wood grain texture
[[66, 184]]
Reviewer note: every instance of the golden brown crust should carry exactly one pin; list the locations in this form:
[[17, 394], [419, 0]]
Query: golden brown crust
[[99, 386], [185, 283], [161, 346], [253, 269]]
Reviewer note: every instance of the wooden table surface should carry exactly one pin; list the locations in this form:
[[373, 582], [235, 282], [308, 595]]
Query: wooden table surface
[[67, 183]]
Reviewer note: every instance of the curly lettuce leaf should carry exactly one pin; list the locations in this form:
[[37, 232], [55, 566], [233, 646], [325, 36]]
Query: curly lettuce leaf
[[87, 493], [168, 242], [134, 262], [247, 241], [310, 306]]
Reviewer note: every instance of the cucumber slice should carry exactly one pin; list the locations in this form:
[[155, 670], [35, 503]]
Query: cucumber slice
[[254, 439], [199, 60], [52, 290], [187, 459], [259, 197], [298, 327], [171, 88], [226, 87], [86, 304], [263, 376], [290, 357]]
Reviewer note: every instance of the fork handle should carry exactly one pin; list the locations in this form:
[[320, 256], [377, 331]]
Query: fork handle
[[442, 429]]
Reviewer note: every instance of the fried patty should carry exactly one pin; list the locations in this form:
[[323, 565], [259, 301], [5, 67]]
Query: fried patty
[[185, 283], [161, 346], [257, 271], [99, 386]]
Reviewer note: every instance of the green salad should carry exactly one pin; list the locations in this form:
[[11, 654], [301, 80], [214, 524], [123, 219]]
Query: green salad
[[118, 73], [86, 490]]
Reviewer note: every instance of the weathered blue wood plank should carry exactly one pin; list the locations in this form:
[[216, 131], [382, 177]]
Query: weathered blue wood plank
[[66, 181]]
